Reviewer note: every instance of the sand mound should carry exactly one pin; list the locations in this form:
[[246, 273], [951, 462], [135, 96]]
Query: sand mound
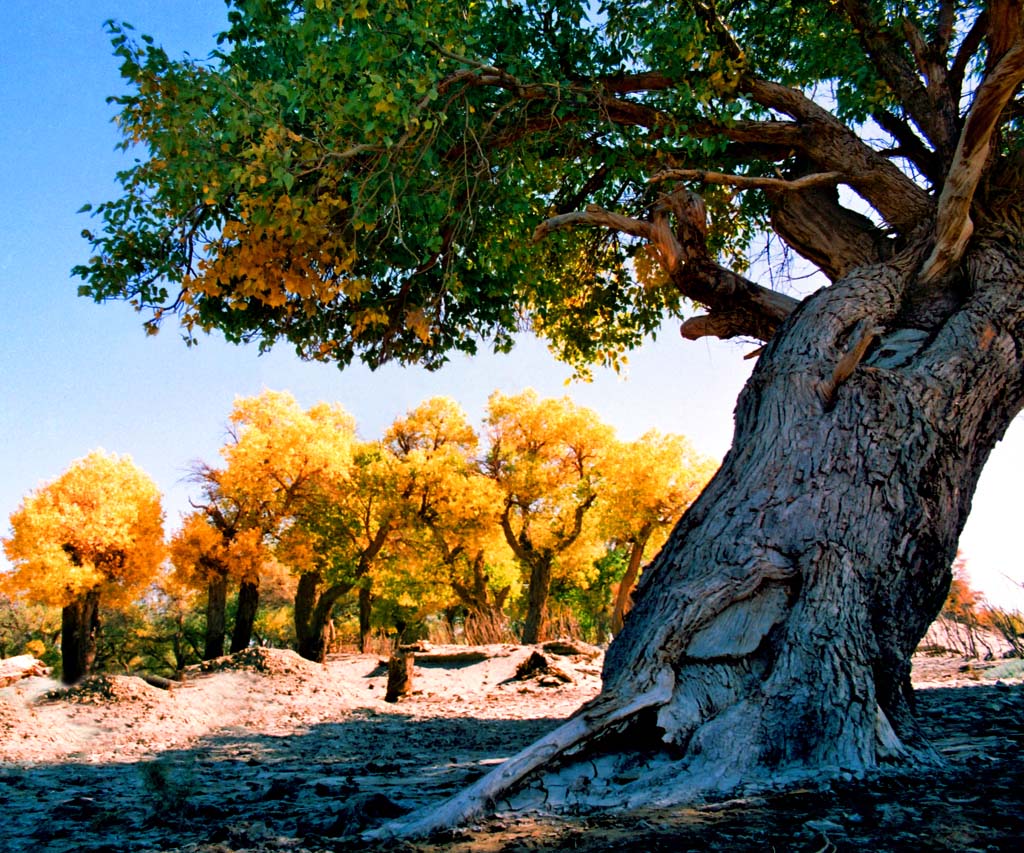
[[259, 659], [106, 689]]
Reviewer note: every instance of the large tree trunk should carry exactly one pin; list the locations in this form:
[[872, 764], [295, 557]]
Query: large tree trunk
[[770, 640], [216, 620], [535, 628], [245, 618], [80, 625], [313, 614]]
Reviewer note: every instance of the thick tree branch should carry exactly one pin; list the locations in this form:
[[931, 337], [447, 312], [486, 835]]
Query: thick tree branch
[[678, 230], [911, 146], [807, 215], [834, 147], [832, 237], [954, 226]]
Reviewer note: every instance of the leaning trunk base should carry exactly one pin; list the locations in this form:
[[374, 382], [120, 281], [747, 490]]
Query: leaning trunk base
[[616, 757]]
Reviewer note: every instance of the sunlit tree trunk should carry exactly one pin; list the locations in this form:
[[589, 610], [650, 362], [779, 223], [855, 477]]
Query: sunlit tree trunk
[[623, 595], [80, 625], [535, 628]]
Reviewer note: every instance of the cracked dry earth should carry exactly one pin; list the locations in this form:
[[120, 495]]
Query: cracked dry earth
[[268, 752]]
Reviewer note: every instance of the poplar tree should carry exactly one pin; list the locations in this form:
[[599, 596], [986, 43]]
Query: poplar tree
[[400, 181]]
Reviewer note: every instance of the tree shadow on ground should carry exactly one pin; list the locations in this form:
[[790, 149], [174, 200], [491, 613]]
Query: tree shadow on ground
[[239, 788], [317, 789]]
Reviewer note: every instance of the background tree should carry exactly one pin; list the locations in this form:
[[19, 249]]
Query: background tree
[[648, 485], [458, 510], [94, 533], [275, 456], [646, 145], [545, 456], [337, 537], [208, 552]]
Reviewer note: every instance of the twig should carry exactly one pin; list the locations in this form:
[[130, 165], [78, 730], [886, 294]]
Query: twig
[[747, 181]]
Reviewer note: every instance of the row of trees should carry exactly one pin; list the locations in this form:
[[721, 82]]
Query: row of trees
[[429, 519]]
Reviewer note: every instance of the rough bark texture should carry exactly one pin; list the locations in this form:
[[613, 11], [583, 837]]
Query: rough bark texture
[[770, 639], [245, 618], [80, 625], [535, 627], [216, 620], [400, 674]]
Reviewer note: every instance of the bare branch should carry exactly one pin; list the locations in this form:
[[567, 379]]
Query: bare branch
[[749, 182], [595, 216], [954, 226]]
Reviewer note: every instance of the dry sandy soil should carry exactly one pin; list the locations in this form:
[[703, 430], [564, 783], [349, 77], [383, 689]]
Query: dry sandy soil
[[268, 752]]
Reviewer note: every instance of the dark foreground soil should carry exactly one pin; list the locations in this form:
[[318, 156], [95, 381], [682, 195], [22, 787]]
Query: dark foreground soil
[[282, 756]]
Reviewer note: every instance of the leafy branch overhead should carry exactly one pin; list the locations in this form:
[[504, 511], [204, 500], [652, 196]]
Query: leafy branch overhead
[[362, 179]]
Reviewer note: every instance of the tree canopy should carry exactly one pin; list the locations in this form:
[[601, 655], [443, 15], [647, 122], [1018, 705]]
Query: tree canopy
[[98, 527], [398, 180]]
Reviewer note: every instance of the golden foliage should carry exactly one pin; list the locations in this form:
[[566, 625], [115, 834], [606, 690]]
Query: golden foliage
[[98, 526], [546, 456]]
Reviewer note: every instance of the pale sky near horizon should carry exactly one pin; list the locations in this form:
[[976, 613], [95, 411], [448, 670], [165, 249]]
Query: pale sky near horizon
[[77, 376]]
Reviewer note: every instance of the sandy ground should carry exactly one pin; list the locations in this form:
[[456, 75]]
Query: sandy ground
[[269, 752]]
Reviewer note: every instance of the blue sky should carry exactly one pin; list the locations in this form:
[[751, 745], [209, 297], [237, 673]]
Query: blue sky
[[76, 376]]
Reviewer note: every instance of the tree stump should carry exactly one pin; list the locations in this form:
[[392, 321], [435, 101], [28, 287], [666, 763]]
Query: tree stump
[[400, 666]]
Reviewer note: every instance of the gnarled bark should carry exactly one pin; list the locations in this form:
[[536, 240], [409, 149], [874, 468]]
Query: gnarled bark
[[771, 639]]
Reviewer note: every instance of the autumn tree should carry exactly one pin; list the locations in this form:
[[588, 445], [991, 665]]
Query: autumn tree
[[276, 455], [400, 181], [458, 509], [544, 455], [208, 552], [648, 485], [93, 534], [342, 533]]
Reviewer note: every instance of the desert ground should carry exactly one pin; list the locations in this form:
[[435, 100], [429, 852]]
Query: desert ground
[[264, 751]]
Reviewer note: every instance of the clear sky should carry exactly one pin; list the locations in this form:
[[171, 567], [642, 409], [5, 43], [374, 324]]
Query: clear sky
[[76, 376]]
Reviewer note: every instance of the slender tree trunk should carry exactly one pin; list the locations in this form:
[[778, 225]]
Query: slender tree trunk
[[80, 625], [245, 618], [365, 610], [535, 628], [216, 621], [623, 600], [770, 640]]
